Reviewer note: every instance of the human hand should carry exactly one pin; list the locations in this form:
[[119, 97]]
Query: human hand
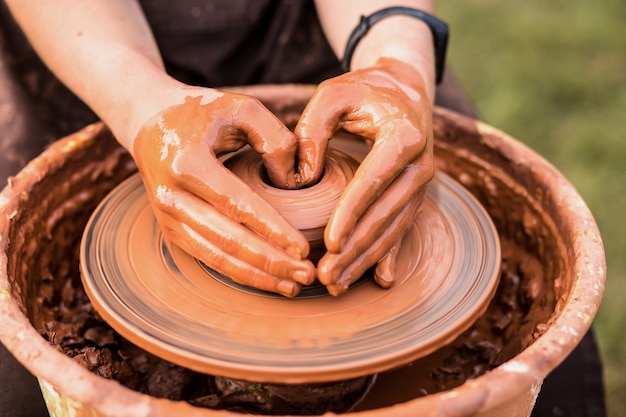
[[204, 208], [387, 105]]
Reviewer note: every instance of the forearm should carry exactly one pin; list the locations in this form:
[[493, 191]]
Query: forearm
[[104, 52], [401, 37]]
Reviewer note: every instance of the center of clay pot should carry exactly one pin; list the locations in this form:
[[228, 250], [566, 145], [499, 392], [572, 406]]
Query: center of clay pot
[[307, 209]]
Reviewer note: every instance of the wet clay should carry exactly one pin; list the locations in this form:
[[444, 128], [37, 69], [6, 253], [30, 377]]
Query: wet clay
[[164, 300], [215, 218], [45, 279], [209, 212], [307, 209], [387, 106], [76, 329]]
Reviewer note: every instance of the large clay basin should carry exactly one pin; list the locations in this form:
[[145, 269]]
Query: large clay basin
[[45, 207]]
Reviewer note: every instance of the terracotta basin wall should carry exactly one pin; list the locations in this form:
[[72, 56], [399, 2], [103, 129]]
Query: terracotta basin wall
[[44, 209]]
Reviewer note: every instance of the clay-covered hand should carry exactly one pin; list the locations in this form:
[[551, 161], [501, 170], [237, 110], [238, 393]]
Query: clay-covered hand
[[202, 207], [387, 105]]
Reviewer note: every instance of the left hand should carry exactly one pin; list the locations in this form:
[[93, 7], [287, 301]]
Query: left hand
[[203, 207], [387, 105]]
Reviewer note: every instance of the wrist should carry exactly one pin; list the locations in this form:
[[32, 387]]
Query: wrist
[[375, 49], [135, 100], [405, 34]]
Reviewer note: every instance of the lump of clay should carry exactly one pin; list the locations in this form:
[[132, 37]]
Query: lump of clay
[[282, 399]]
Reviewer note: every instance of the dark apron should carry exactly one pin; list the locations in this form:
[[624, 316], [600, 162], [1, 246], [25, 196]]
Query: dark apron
[[216, 43]]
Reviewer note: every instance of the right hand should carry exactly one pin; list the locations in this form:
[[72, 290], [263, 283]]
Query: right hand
[[388, 106], [207, 211]]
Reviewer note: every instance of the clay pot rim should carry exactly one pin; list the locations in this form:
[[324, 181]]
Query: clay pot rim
[[529, 367]]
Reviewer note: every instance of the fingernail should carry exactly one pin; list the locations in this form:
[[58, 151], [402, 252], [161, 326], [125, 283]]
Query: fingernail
[[384, 279], [303, 277], [336, 245], [337, 289], [324, 274], [295, 251], [288, 288]]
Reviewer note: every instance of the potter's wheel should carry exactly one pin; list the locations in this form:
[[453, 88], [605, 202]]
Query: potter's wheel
[[163, 300]]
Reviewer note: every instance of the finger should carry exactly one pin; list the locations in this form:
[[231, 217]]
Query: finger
[[385, 272], [221, 189], [270, 138], [339, 271], [229, 237], [378, 219], [387, 159], [233, 267], [319, 122]]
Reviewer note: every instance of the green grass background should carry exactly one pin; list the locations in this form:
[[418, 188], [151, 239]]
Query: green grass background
[[553, 75]]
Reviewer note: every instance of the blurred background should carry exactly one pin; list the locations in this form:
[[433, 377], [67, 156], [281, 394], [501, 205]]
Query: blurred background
[[553, 75]]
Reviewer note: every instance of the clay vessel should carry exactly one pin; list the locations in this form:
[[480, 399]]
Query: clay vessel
[[536, 210]]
